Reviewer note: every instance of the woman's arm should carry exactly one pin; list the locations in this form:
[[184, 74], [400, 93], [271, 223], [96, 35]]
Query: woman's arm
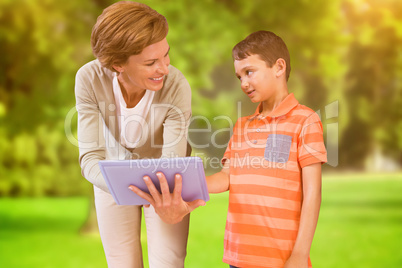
[[177, 120], [90, 142], [311, 179]]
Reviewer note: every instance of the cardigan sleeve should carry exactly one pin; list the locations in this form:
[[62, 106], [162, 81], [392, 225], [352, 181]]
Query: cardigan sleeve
[[90, 124], [177, 120]]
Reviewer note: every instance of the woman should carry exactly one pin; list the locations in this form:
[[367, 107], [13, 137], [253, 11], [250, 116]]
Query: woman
[[132, 103]]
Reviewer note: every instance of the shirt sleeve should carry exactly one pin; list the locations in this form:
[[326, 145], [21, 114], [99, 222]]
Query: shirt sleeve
[[228, 152], [311, 148], [91, 144]]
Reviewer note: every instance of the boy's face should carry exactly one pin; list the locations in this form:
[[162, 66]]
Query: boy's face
[[258, 81]]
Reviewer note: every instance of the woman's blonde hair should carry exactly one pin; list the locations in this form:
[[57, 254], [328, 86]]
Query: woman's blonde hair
[[124, 29]]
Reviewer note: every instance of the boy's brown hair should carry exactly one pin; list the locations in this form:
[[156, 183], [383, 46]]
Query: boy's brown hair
[[265, 44], [124, 29]]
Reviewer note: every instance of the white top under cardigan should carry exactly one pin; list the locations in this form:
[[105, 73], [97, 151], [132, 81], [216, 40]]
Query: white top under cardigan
[[132, 121]]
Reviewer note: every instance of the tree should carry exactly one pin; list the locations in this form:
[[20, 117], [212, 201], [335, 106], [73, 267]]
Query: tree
[[374, 92]]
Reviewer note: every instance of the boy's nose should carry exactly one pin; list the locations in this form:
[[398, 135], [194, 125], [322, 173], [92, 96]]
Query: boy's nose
[[244, 85]]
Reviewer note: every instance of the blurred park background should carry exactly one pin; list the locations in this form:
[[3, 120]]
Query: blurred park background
[[346, 58]]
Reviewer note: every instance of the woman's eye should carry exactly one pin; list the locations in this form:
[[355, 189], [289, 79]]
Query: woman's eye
[[150, 64]]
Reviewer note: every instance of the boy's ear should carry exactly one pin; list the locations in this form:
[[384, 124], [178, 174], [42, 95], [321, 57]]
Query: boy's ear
[[280, 66]]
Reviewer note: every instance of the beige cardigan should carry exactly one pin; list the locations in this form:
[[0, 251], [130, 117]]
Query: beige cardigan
[[164, 132]]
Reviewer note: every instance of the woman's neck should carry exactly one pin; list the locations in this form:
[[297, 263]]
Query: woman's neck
[[131, 94]]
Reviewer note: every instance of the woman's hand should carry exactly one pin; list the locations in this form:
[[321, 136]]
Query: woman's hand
[[170, 207]]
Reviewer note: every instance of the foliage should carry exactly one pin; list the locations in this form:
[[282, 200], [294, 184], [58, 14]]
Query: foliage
[[374, 89], [342, 50], [41, 53]]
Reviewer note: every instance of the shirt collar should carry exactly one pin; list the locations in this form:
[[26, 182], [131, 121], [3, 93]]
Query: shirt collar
[[283, 108]]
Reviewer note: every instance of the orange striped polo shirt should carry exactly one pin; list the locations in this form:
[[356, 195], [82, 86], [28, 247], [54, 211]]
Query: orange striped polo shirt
[[266, 155]]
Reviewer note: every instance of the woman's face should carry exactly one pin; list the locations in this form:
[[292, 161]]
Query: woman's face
[[147, 69]]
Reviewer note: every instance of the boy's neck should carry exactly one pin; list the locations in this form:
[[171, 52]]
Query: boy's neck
[[269, 105]]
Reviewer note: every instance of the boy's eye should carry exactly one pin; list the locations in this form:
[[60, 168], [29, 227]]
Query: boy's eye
[[249, 72]]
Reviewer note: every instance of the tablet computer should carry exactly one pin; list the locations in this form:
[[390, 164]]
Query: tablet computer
[[120, 174]]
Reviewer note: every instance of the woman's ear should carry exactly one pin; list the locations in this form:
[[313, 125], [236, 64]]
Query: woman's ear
[[118, 68], [280, 67]]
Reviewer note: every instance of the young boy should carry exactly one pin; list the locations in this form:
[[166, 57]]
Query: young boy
[[272, 167]]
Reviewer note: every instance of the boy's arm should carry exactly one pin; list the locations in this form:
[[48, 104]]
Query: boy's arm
[[311, 179], [219, 182]]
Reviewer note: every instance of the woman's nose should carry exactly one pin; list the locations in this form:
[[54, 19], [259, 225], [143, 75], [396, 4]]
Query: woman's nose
[[163, 67]]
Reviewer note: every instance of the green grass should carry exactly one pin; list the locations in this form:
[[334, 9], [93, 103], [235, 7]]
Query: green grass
[[44, 233], [360, 225], [360, 222]]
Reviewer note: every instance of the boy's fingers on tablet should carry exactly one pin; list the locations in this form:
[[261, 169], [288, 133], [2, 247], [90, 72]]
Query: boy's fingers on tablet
[[142, 194], [153, 191], [164, 188]]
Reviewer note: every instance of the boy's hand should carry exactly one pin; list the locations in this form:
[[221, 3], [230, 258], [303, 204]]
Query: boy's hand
[[170, 207], [296, 262]]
